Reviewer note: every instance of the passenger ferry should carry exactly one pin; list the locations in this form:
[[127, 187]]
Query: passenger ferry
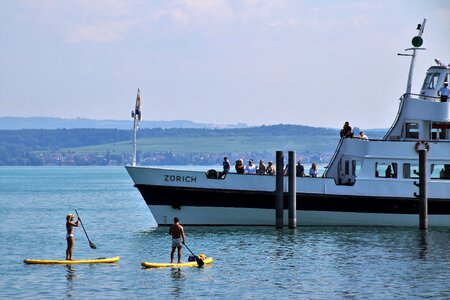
[[354, 189]]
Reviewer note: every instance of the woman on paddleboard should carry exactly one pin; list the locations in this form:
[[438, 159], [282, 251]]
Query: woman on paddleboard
[[178, 238], [69, 235]]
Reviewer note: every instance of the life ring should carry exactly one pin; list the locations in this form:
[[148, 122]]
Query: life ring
[[425, 143]]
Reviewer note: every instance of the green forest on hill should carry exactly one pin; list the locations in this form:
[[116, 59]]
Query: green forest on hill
[[163, 146]]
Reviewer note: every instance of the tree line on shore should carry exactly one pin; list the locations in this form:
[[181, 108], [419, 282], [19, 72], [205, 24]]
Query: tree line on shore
[[61, 146]]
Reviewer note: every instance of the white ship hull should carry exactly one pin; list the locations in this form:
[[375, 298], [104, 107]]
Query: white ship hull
[[250, 199]]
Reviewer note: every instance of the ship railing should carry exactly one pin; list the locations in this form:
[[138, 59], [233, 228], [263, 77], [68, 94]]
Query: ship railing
[[422, 97]]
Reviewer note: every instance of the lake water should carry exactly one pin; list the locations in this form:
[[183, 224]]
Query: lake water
[[249, 263]]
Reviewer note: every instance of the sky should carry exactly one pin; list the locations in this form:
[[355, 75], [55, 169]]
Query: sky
[[317, 63]]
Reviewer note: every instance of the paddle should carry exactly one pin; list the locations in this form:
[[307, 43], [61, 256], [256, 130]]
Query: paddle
[[91, 244], [200, 262]]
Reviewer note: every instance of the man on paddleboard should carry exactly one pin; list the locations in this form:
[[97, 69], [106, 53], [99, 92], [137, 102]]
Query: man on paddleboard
[[69, 235], [178, 238]]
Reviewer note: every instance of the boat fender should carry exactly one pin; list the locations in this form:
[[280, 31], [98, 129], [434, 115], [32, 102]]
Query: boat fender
[[425, 143]]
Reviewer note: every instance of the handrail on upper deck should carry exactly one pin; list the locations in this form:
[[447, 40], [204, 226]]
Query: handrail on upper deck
[[421, 97]]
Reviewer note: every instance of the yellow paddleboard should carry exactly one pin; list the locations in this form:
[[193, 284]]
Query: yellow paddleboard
[[101, 260], [145, 264]]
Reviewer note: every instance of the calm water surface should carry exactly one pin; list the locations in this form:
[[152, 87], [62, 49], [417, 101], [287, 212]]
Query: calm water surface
[[249, 263]]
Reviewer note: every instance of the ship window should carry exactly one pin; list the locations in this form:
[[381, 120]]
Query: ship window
[[356, 167], [410, 170], [347, 167], [431, 81], [412, 130], [439, 131], [386, 170], [440, 171]]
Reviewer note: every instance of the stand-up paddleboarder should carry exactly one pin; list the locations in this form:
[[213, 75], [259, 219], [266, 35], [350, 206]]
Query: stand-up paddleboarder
[[69, 235], [178, 238]]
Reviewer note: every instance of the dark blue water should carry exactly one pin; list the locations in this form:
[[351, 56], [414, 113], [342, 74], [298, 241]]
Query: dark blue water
[[249, 263]]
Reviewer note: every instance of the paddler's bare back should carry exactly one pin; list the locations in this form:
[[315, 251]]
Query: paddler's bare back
[[176, 230]]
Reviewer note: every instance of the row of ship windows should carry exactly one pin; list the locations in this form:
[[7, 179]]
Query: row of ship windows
[[409, 170]]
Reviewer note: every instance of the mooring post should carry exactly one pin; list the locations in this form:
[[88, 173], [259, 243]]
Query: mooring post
[[279, 190], [423, 193], [292, 195]]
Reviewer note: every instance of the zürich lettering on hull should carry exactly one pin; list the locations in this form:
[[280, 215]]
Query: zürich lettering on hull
[[180, 178], [367, 182]]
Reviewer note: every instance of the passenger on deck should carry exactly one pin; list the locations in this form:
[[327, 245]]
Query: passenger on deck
[[250, 168], [443, 92], [363, 136], [313, 170], [388, 172], [286, 170], [239, 166], [270, 168], [261, 168], [346, 131], [226, 165], [300, 169]]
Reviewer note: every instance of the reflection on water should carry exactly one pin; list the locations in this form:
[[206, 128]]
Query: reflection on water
[[70, 276], [177, 277], [423, 244]]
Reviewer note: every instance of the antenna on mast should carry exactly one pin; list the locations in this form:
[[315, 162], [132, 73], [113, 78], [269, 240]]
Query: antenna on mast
[[417, 41]]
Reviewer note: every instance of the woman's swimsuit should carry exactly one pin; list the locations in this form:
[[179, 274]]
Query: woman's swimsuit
[[69, 229]]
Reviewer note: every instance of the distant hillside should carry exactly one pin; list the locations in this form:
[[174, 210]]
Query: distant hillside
[[14, 123], [165, 146]]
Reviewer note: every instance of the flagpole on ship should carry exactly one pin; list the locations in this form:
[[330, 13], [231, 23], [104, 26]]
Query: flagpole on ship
[[136, 115]]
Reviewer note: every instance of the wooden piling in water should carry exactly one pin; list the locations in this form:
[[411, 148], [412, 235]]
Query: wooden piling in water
[[292, 194], [279, 190], [423, 189]]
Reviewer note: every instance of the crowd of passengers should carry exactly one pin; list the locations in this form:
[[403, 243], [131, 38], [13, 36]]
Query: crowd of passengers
[[262, 169]]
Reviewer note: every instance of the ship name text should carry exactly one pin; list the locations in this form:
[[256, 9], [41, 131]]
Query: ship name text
[[178, 178]]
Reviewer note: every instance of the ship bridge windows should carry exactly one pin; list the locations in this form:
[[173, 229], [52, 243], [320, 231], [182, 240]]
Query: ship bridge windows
[[386, 170], [431, 81]]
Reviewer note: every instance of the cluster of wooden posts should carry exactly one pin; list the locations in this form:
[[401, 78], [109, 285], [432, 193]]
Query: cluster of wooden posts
[[292, 192]]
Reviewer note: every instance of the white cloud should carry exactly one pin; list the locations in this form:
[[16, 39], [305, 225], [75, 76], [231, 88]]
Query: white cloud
[[207, 11], [107, 31]]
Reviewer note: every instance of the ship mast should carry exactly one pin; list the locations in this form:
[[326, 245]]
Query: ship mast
[[417, 41], [136, 115]]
